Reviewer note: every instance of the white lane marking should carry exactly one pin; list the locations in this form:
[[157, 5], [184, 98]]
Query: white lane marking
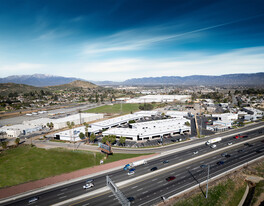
[[60, 194], [62, 197], [144, 192], [134, 187], [154, 179], [140, 189], [86, 204], [160, 181], [64, 189], [110, 195]]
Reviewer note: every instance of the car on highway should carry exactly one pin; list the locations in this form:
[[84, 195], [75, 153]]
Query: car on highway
[[153, 169], [220, 163], [258, 151], [131, 171], [170, 178], [89, 181], [88, 185], [224, 154], [165, 161], [195, 152], [240, 150], [213, 146], [203, 166], [33, 199], [240, 136], [229, 143], [249, 145], [130, 199]]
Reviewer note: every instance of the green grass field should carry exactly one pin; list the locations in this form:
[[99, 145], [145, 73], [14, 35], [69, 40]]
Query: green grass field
[[116, 108], [228, 193], [25, 163]]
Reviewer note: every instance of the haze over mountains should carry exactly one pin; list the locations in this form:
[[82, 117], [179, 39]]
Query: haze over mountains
[[41, 80]]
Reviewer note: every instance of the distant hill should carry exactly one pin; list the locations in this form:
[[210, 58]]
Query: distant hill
[[6, 88], [229, 79], [74, 84], [38, 80]]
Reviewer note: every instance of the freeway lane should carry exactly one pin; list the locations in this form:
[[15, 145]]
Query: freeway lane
[[72, 190], [149, 191]]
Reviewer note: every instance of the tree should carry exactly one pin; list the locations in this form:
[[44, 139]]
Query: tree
[[112, 139], [86, 131], [105, 139], [122, 140], [92, 137], [81, 135], [187, 123], [4, 144], [17, 140]]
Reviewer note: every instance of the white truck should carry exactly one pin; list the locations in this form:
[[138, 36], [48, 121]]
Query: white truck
[[215, 140], [134, 164]]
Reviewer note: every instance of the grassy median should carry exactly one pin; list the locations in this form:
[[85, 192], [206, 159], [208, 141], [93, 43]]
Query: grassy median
[[25, 163]]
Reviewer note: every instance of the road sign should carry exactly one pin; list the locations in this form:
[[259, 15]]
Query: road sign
[[118, 194]]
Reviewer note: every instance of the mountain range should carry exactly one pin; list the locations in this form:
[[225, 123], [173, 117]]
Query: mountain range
[[41, 80]]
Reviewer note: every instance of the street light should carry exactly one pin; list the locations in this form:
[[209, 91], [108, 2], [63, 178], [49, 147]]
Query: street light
[[208, 176]]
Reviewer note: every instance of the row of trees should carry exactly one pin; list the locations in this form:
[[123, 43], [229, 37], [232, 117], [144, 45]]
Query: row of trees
[[112, 139]]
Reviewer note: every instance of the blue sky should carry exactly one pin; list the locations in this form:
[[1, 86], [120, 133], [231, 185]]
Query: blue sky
[[117, 39]]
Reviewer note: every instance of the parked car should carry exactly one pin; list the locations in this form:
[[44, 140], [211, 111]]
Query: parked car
[[153, 169], [170, 178]]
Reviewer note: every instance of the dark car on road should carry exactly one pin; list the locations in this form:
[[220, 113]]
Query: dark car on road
[[165, 161], [203, 166], [153, 168], [170, 178], [220, 163], [130, 199]]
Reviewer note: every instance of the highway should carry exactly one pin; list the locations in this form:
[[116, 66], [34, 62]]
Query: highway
[[65, 192], [149, 191]]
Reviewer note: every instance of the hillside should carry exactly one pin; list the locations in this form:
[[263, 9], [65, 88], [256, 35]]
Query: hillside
[[75, 84], [6, 88]]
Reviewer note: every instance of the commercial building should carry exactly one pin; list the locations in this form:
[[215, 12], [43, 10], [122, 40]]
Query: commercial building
[[31, 126], [160, 98], [151, 130]]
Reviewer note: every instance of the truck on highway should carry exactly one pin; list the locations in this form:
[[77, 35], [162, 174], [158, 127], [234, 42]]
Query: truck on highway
[[134, 164], [215, 140]]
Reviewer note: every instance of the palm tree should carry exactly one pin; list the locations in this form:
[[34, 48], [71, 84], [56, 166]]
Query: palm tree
[[92, 137], [86, 131], [122, 140]]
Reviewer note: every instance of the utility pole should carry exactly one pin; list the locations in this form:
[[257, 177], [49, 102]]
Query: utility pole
[[207, 181]]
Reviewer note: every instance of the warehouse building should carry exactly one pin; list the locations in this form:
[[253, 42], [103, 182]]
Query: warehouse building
[[160, 98], [151, 130]]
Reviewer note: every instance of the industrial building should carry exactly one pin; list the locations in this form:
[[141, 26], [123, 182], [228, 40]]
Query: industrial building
[[160, 98], [252, 114], [38, 124], [151, 130]]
